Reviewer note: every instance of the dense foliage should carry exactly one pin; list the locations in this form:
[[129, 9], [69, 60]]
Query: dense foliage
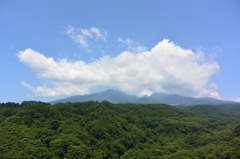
[[105, 130]]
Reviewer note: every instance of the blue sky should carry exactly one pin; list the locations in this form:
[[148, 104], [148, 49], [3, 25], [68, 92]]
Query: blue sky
[[53, 49]]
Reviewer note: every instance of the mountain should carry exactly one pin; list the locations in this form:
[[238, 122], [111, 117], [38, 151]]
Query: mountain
[[115, 96], [174, 99], [158, 96], [146, 99]]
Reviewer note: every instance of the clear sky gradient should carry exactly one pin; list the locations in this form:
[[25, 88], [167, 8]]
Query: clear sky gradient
[[53, 49]]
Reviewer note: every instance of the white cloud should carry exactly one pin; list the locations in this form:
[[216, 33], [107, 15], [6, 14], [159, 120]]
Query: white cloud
[[166, 68], [215, 95], [132, 46], [145, 92], [86, 32], [67, 89], [213, 86], [98, 34], [83, 37], [235, 99]]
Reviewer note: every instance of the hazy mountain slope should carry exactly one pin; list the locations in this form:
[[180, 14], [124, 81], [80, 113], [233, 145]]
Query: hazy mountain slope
[[212, 100], [158, 96], [146, 100], [115, 96], [174, 98], [110, 95]]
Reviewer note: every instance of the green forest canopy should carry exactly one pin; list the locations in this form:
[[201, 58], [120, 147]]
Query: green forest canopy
[[104, 130]]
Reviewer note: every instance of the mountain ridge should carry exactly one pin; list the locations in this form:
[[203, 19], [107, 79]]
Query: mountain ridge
[[116, 96]]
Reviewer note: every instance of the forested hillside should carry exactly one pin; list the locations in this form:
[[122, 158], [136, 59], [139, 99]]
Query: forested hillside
[[222, 110], [104, 130]]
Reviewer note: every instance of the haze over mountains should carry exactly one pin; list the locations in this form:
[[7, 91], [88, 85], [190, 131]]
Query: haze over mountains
[[115, 96]]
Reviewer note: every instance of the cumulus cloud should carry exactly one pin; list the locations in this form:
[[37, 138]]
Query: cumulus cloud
[[166, 68], [83, 36], [215, 95]]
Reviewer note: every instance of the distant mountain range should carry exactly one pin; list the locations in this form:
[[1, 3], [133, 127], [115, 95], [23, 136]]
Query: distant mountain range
[[115, 96]]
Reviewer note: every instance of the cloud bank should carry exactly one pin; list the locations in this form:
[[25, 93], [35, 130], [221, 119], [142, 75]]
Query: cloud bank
[[166, 68]]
